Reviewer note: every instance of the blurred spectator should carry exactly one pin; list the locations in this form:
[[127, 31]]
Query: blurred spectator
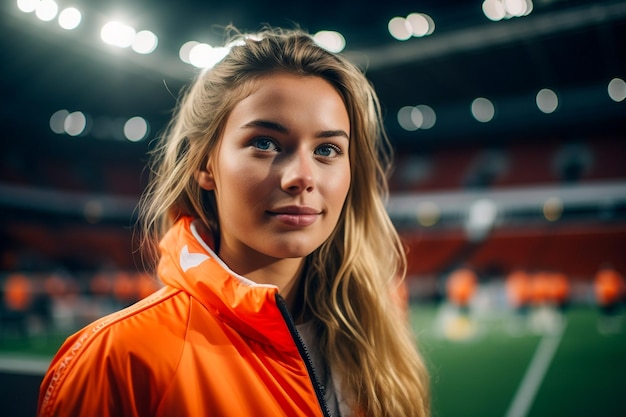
[[609, 293], [461, 287], [17, 301], [518, 290]]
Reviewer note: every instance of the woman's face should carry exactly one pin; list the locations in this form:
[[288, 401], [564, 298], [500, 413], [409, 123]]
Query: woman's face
[[281, 172]]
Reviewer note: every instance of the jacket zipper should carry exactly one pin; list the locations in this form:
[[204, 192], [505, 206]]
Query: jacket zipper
[[304, 353]]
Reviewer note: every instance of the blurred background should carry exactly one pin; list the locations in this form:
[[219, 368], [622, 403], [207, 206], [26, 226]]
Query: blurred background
[[508, 119]]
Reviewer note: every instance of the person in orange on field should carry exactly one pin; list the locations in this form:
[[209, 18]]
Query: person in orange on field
[[558, 289], [18, 292], [18, 298], [518, 288], [540, 289], [275, 251], [609, 289], [461, 287]]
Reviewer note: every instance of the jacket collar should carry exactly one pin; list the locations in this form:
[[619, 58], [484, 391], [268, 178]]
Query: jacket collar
[[189, 264]]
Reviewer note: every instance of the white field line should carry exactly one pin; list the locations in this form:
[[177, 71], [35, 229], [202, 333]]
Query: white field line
[[25, 366], [535, 373]]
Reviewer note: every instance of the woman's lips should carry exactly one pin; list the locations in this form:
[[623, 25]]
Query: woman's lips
[[296, 215]]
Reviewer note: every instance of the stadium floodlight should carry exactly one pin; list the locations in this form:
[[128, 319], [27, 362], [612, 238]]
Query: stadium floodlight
[[330, 40], [185, 51], [75, 123], [27, 6], [483, 109], [46, 10], [145, 42], [547, 100], [70, 18], [203, 55], [136, 129], [617, 89], [421, 24], [400, 28], [117, 34]]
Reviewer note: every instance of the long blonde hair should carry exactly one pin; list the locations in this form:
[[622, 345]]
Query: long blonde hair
[[349, 279]]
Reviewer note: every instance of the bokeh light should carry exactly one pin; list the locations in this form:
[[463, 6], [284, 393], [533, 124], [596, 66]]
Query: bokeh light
[[27, 6], [547, 100], [184, 52], [483, 110], [70, 18], [553, 209], [136, 129], [75, 123], [57, 121], [117, 34], [496, 10], [46, 10], [145, 42], [617, 89], [400, 28], [330, 40], [428, 213]]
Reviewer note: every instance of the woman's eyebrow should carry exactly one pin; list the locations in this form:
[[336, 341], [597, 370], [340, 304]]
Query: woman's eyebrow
[[267, 125], [332, 134], [275, 126]]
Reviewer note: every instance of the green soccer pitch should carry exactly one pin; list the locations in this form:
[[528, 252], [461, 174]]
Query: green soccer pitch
[[499, 364]]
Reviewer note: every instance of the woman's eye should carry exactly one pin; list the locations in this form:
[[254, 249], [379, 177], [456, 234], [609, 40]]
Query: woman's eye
[[265, 144], [328, 150]]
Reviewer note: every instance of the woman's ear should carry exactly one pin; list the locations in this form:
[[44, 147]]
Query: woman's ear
[[204, 177]]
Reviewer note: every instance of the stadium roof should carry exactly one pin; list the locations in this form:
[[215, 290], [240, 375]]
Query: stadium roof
[[573, 48]]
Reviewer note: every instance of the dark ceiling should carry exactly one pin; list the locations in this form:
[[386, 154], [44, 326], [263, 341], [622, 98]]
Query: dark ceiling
[[572, 47]]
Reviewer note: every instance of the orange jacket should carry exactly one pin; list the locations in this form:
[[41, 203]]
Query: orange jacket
[[210, 343]]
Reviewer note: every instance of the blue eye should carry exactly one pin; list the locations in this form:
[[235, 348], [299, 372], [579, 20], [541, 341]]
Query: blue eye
[[265, 144], [328, 150]]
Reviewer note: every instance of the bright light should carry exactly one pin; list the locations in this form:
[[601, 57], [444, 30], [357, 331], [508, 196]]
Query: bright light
[[145, 42], [75, 123], [203, 55], [503, 9], [405, 118], [617, 89], [46, 10], [416, 117], [481, 218], [494, 10], [400, 28], [69, 18], [483, 110], [185, 51], [428, 213], [421, 24], [117, 34], [135, 129], [57, 121], [330, 40], [553, 209], [27, 6], [199, 55], [429, 117], [515, 7], [547, 100]]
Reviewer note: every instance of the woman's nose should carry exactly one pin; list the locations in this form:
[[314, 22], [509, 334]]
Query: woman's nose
[[298, 174]]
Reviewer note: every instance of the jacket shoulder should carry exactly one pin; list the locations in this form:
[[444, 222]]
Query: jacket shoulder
[[122, 360]]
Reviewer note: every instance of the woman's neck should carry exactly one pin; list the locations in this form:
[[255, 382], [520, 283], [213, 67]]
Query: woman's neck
[[283, 273]]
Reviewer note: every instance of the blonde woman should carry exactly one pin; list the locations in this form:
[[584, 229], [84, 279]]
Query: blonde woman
[[277, 257]]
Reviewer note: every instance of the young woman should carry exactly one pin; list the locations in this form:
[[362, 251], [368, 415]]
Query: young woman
[[278, 259]]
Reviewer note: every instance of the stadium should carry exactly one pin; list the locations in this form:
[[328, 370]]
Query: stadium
[[508, 124]]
